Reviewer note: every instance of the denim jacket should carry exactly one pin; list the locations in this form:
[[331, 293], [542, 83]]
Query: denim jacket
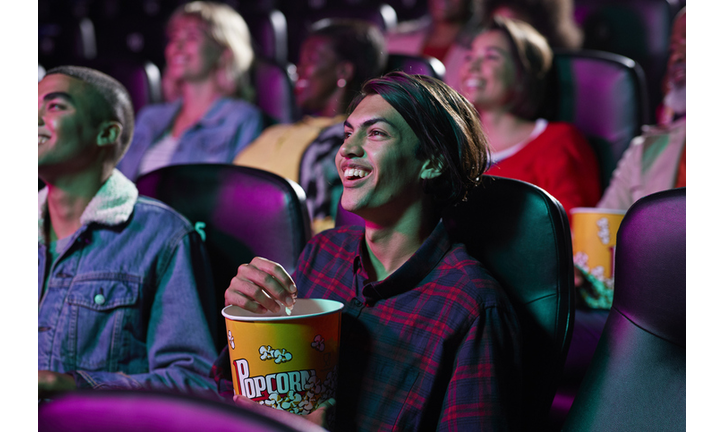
[[121, 308], [228, 127]]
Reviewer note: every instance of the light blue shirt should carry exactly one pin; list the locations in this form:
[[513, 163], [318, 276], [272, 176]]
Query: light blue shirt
[[228, 127]]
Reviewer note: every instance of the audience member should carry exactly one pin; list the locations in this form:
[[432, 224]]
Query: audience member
[[552, 18], [117, 291], [445, 33], [653, 162], [656, 160], [505, 78], [430, 340], [208, 57], [335, 59]]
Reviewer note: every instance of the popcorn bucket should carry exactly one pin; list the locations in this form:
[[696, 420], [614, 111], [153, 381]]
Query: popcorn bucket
[[285, 362], [594, 248]]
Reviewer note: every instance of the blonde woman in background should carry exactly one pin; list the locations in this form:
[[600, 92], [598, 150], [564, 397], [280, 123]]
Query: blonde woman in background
[[207, 120]]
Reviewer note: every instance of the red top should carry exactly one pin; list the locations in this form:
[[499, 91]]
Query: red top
[[559, 160]]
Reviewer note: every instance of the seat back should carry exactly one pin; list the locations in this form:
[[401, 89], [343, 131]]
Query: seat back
[[154, 411], [521, 235], [268, 29], [637, 378], [381, 15], [240, 212], [274, 91], [132, 29], [604, 96], [64, 39], [638, 29], [141, 78], [416, 64]]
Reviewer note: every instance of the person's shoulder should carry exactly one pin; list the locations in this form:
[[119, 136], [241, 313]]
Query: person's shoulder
[[154, 110], [562, 129], [333, 246], [232, 110], [153, 213], [471, 277], [232, 104], [564, 136]]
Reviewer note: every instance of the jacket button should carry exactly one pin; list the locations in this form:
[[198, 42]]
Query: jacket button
[[99, 299]]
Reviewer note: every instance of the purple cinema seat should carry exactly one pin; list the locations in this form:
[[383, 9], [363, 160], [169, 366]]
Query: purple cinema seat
[[240, 212], [274, 87], [604, 96], [141, 78], [145, 411], [268, 28], [637, 29], [637, 378], [416, 64]]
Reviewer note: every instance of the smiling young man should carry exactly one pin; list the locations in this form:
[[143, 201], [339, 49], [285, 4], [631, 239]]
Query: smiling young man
[[117, 288], [429, 340]]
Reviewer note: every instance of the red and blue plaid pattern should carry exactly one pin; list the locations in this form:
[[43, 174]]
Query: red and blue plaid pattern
[[435, 346]]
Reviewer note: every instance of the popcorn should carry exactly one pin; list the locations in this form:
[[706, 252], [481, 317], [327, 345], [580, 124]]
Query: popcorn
[[305, 401], [318, 343], [604, 234], [231, 340], [278, 355]]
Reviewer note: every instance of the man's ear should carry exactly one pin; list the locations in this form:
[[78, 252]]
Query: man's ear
[[431, 168], [109, 133]]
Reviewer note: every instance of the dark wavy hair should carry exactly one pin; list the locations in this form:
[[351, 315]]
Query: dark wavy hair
[[447, 126], [358, 42]]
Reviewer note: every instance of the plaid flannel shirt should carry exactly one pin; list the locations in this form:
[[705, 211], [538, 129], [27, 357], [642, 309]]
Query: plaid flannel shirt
[[435, 346]]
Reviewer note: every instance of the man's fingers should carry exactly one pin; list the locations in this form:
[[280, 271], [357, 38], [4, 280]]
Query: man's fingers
[[233, 296], [250, 296], [259, 286], [277, 271]]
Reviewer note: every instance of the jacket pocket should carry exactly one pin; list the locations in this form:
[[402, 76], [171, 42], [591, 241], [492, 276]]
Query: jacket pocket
[[105, 331]]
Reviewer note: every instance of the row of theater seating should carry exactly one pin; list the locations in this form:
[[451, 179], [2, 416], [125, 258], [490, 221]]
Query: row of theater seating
[[85, 29], [637, 378], [601, 93]]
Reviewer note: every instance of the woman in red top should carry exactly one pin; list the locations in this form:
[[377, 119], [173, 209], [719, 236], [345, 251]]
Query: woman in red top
[[504, 76]]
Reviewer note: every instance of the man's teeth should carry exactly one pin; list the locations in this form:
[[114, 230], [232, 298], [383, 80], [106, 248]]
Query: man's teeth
[[42, 139], [350, 172]]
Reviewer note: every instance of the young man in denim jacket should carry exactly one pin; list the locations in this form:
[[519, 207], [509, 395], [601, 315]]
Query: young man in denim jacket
[[117, 290]]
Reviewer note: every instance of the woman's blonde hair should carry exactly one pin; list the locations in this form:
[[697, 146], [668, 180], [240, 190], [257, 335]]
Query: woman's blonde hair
[[229, 30]]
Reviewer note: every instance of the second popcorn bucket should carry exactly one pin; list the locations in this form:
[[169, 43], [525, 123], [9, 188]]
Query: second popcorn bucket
[[284, 361], [594, 248]]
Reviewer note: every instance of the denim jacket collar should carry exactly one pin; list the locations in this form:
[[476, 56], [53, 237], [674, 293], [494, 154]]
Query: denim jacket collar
[[112, 204]]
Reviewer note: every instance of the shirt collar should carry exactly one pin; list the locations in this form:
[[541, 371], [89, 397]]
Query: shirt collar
[[111, 205], [413, 271]]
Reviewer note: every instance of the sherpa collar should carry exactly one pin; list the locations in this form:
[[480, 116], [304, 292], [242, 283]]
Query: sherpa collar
[[112, 204]]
